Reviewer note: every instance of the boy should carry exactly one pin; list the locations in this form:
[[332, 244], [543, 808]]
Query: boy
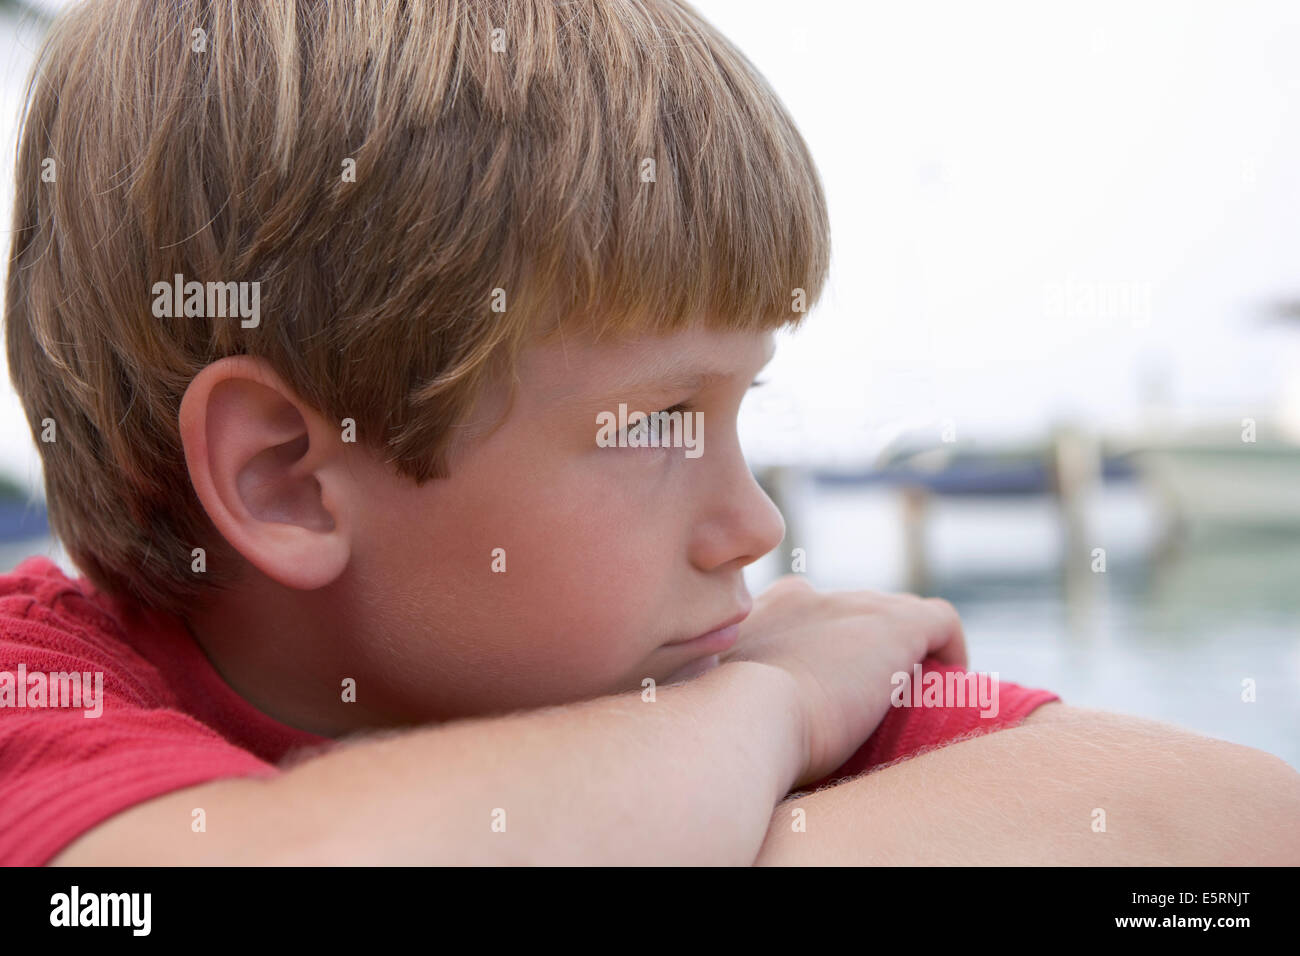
[[319, 312]]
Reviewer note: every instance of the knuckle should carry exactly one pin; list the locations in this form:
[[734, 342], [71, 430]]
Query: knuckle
[[900, 603], [863, 597], [793, 583], [943, 607]]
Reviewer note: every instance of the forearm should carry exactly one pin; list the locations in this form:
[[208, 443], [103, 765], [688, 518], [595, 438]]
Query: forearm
[[1031, 795], [689, 778]]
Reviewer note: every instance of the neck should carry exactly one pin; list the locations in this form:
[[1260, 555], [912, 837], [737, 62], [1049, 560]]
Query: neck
[[287, 652]]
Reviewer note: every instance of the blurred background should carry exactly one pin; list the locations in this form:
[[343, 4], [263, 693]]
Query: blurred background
[[1055, 376]]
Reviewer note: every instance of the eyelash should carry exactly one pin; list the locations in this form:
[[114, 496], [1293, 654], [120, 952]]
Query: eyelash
[[687, 405], [682, 407]]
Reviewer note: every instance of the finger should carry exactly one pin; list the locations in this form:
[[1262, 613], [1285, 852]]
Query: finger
[[954, 652], [948, 645]]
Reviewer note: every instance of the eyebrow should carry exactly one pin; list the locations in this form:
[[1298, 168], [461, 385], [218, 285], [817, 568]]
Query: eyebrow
[[662, 377], [680, 380], [676, 381]]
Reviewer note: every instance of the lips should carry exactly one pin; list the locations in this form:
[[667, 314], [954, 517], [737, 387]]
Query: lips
[[718, 632]]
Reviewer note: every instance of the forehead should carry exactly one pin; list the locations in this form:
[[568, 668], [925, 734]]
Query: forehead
[[687, 360]]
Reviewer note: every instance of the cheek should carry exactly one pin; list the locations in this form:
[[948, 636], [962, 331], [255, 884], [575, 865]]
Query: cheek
[[590, 569], [590, 560], [585, 558]]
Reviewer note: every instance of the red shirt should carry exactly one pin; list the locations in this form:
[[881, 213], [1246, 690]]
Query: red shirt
[[167, 720], [909, 730]]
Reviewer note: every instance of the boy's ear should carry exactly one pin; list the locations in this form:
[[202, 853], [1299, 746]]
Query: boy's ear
[[270, 472]]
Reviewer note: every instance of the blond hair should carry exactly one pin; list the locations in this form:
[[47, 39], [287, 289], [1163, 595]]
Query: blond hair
[[611, 164]]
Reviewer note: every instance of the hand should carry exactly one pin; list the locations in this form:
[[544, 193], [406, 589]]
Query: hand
[[842, 648]]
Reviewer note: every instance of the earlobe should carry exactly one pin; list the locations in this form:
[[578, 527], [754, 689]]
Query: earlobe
[[269, 471]]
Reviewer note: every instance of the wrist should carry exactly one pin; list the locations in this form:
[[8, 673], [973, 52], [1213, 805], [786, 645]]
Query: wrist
[[774, 697]]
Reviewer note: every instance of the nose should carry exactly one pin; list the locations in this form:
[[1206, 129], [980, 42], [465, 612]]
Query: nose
[[737, 522]]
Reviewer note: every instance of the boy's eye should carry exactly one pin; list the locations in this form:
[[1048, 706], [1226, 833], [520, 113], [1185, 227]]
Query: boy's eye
[[644, 426]]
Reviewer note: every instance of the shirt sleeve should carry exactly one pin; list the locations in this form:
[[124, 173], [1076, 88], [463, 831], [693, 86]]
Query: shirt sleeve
[[948, 711], [62, 769]]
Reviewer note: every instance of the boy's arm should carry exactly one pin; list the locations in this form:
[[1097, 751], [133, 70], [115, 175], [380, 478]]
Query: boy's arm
[[1031, 795], [688, 779]]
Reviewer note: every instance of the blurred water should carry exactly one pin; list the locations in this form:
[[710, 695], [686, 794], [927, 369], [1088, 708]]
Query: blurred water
[[1166, 636]]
